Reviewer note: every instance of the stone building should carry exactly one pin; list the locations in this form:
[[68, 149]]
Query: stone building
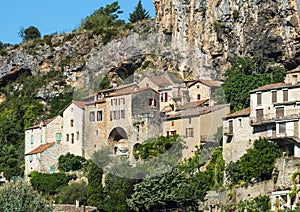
[[202, 89], [196, 122], [37, 139]]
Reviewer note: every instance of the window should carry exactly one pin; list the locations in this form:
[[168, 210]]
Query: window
[[110, 115], [152, 102], [189, 132], [58, 137], [258, 98], [161, 97], [274, 96], [198, 86], [285, 95], [240, 122], [230, 123], [282, 127], [279, 112], [99, 115], [41, 138], [259, 115], [52, 169], [67, 138], [172, 123], [115, 114], [122, 114], [30, 158], [97, 132], [198, 96], [72, 123], [92, 116], [190, 120], [166, 96], [72, 138], [31, 139], [77, 135]]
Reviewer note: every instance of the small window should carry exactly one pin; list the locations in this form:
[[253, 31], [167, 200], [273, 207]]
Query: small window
[[30, 158], [166, 96], [72, 123], [172, 123], [31, 139], [92, 116], [274, 96], [190, 120], [58, 137], [72, 138], [240, 122], [162, 97], [67, 138], [282, 127], [77, 136], [99, 115], [198, 96], [189, 132], [258, 98], [122, 114], [285, 95], [52, 169], [97, 132], [41, 138], [198, 86]]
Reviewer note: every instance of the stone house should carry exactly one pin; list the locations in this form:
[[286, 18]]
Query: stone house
[[128, 117], [238, 135], [37, 139], [196, 123], [73, 127], [202, 89], [171, 90]]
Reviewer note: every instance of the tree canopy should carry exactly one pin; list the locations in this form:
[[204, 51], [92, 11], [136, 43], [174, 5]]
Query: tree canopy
[[139, 13], [29, 33]]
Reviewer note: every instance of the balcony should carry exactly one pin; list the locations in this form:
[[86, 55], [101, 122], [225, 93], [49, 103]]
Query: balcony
[[270, 118]]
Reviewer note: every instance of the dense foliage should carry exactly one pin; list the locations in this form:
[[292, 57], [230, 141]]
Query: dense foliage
[[257, 163], [247, 74], [260, 203], [139, 13], [95, 187], [104, 21], [48, 183], [70, 162], [29, 33], [20, 197], [72, 192]]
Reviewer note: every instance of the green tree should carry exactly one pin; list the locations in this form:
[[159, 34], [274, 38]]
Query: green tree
[[49, 183], [247, 74], [29, 33], [70, 162], [21, 197], [139, 13], [95, 188], [75, 191]]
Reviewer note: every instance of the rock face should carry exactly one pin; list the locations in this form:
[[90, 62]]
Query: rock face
[[224, 29], [196, 38]]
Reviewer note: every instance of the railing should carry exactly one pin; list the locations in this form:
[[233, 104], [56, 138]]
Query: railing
[[271, 117]]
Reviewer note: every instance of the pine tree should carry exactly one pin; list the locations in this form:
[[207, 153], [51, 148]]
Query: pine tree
[[139, 13]]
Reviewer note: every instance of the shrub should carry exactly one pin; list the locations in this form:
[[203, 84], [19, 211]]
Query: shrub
[[70, 162]]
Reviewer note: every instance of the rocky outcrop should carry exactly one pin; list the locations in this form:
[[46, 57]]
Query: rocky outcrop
[[224, 29]]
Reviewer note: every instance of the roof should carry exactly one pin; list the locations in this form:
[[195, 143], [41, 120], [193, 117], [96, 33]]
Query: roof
[[161, 81], [40, 148], [43, 122], [193, 104], [80, 104], [244, 112], [131, 91], [195, 111], [270, 86], [121, 87], [210, 83]]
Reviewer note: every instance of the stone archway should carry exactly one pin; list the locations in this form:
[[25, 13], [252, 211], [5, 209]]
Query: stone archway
[[118, 140]]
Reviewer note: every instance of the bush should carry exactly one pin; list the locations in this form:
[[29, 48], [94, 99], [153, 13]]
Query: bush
[[70, 162], [21, 197], [49, 183], [75, 191]]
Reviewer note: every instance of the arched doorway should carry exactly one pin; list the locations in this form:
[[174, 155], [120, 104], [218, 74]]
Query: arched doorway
[[118, 140]]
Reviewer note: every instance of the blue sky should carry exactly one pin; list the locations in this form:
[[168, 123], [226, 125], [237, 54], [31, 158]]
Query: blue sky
[[54, 16]]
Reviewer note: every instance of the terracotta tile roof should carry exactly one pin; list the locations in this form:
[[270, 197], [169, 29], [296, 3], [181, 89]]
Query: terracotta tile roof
[[270, 86], [80, 104], [210, 83], [193, 104], [40, 148], [244, 112], [160, 81]]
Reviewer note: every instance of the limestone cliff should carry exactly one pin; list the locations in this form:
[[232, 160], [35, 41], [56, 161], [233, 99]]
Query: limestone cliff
[[196, 38]]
